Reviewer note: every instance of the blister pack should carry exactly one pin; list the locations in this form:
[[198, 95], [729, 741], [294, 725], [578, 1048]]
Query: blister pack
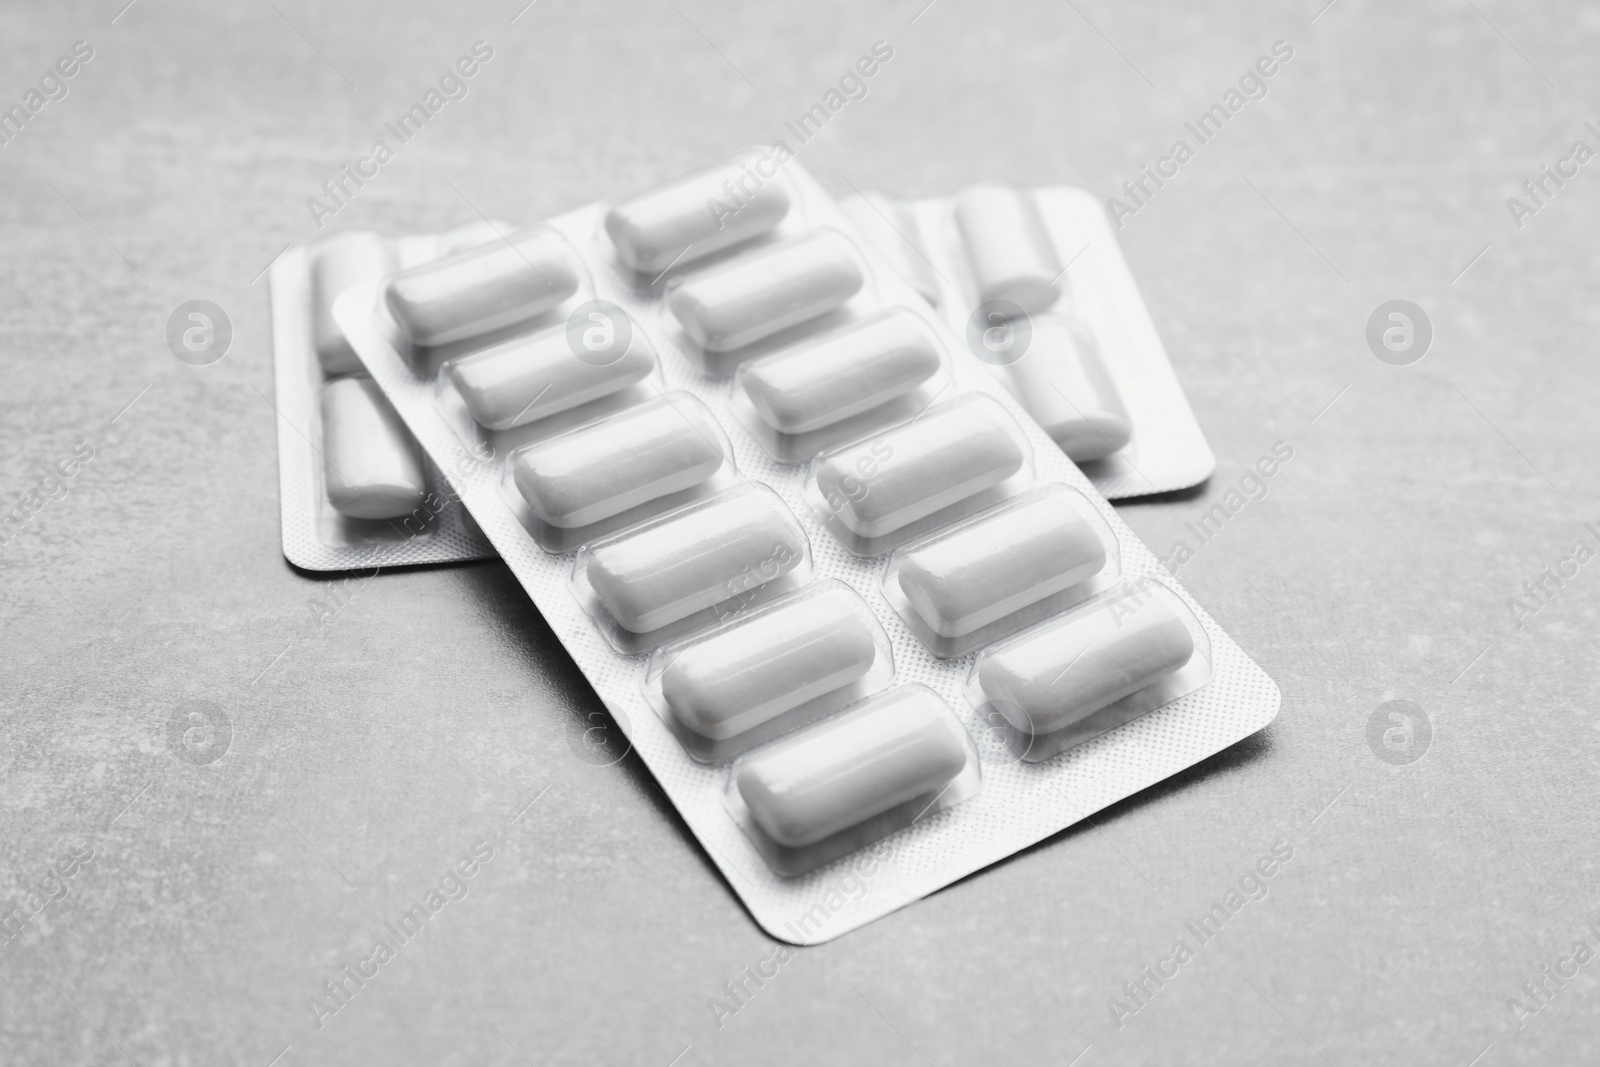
[[356, 490], [867, 625], [1035, 284]]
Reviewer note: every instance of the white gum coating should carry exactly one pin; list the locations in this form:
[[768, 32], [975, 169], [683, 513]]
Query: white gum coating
[[371, 465], [1068, 392], [936, 460], [904, 744], [892, 227], [688, 219], [639, 454], [686, 564], [354, 257], [737, 303], [1000, 564], [482, 289], [527, 378], [1066, 670], [821, 381], [752, 673], [1008, 248]]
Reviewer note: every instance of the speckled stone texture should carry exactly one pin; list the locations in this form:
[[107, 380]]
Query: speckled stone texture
[[371, 751]]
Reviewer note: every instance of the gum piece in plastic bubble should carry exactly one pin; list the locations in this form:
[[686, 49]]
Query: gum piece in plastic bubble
[[893, 228], [1065, 387], [941, 458], [482, 289], [372, 466], [688, 219], [639, 454], [702, 557], [1008, 248], [829, 777], [1066, 670], [856, 368], [338, 262], [527, 378], [751, 673], [1000, 564], [744, 300]]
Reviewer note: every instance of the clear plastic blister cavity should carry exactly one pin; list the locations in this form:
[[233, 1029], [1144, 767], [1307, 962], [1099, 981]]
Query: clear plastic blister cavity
[[1104, 664], [858, 777], [771, 671], [947, 462], [692, 567], [1008, 567]]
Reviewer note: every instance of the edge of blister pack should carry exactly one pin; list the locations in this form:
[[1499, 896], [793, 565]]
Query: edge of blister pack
[[1168, 451], [1017, 803], [312, 533]]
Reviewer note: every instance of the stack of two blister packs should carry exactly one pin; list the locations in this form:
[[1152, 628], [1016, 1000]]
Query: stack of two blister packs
[[867, 624]]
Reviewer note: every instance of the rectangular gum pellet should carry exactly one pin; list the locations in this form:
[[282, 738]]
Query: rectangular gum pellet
[[482, 289], [944, 456], [1064, 386], [898, 747], [818, 382], [637, 455], [754, 296], [1008, 248], [371, 465], [688, 219], [751, 673], [1001, 563], [355, 257], [527, 378], [1066, 670], [728, 547]]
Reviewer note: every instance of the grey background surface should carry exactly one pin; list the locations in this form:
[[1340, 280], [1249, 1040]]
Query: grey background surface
[[367, 756]]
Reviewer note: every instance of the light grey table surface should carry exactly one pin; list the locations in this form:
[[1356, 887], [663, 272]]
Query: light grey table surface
[[366, 759]]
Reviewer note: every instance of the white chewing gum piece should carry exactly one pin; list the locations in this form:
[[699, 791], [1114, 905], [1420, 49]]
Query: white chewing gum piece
[[739, 302], [752, 673], [893, 229], [912, 471], [686, 564], [482, 289], [527, 378], [1008, 248], [1000, 564], [371, 464], [829, 777], [1066, 670], [1068, 392], [355, 257], [639, 454], [688, 219], [823, 380]]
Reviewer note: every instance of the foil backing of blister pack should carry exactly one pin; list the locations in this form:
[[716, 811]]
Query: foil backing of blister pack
[[1168, 450], [1010, 802], [315, 536]]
